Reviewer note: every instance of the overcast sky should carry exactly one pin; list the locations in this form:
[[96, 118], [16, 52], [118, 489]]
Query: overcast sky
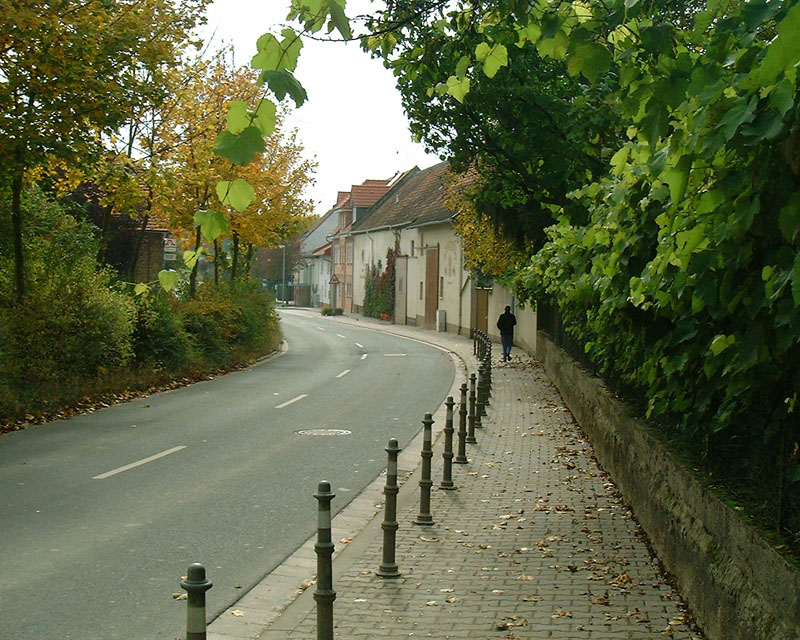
[[353, 122]]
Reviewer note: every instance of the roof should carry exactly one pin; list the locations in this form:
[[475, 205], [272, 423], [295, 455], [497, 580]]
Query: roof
[[363, 195], [317, 235], [324, 250], [417, 198]]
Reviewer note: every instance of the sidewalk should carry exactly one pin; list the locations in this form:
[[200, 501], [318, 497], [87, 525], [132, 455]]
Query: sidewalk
[[535, 542]]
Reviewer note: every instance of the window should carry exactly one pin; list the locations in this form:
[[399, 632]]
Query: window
[[441, 287], [349, 290], [411, 253], [420, 291], [335, 252], [348, 251]]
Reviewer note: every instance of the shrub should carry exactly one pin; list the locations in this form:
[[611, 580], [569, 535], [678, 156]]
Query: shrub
[[231, 323], [73, 324], [160, 339]]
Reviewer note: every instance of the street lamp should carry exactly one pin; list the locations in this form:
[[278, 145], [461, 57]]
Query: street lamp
[[283, 277]]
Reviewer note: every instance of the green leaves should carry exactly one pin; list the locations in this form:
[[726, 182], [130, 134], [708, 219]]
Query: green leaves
[[590, 60], [784, 51], [237, 194], [241, 117], [212, 224], [240, 148], [720, 343], [742, 110], [493, 57], [457, 88], [277, 56], [283, 83], [677, 177], [168, 279], [339, 19]]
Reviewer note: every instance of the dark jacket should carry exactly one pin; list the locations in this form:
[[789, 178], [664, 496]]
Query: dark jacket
[[506, 323]]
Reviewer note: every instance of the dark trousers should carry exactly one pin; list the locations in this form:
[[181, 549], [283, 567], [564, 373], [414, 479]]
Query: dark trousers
[[506, 340]]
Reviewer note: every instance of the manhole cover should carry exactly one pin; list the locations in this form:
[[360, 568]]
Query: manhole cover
[[323, 432]]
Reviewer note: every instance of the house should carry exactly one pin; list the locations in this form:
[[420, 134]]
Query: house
[[350, 207], [432, 288], [315, 274]]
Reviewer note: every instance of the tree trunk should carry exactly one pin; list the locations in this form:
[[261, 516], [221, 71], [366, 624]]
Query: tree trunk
[[16, 219], [235, 262], [137, 247], [249, 259], [193, 276], [216, 262]]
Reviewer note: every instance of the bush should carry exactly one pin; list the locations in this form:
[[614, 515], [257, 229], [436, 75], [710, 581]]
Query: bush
[[78, 330], [230, 323], [73, 324], [160, 339], [379, 289], [332, 311]]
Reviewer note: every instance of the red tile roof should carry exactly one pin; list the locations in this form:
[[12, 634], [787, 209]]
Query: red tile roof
[[417, 198]]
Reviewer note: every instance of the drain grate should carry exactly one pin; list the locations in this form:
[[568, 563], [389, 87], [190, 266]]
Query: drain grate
[[323, 432]]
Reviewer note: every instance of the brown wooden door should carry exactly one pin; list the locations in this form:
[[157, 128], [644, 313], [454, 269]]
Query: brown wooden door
[[431, 286], [482, 316]]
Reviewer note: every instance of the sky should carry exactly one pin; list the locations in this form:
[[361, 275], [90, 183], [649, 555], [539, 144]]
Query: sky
[[353, 122]]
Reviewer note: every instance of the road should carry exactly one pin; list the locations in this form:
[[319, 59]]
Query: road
[[102, 513]]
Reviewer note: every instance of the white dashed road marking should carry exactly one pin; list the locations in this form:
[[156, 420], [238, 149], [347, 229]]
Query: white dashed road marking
[[292, 401], [139, 463]]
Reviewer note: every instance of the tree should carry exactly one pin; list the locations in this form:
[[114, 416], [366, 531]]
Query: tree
[[199, 199], [532, 131], [72, 72]]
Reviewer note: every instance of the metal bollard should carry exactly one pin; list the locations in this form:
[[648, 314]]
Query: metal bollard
[[196, 586], [324, 595], [424, 516], [471, 417], [461, 455], [488, 372], [480, 407], [388, 568], [447, 456]]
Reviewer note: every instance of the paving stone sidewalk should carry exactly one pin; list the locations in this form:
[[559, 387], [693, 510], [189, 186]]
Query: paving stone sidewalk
[[535, 542]]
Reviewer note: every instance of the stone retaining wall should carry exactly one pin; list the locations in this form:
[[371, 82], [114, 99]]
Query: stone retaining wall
[[737, 586]]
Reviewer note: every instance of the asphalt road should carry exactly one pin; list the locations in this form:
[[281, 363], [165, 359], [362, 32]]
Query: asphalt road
[[102, 513]]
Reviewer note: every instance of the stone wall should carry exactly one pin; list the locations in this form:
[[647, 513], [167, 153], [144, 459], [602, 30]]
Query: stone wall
[[737, 586]]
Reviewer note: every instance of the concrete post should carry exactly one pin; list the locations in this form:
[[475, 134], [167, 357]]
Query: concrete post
[[471, 417], [196, 586], [324, 595], [461, 455], [447, 456], [425, 483], [388, 568]]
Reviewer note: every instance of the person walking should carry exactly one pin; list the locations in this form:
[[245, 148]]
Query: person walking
[[506, 323]]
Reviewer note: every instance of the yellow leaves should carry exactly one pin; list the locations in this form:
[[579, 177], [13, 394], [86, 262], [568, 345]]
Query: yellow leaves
[[485, 250]]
